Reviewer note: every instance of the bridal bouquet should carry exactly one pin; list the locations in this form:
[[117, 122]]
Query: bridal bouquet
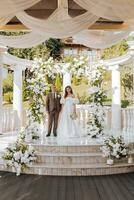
[[73, 116], [114, 147], [19, 156]]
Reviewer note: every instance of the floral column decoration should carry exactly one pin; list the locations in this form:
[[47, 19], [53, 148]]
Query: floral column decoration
[[95, 124], [37, 85]]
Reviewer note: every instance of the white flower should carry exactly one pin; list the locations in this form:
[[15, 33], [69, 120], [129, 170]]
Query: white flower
[[93, 90], [17, 155]]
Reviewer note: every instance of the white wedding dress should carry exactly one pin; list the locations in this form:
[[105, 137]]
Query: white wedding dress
[[68, 127]]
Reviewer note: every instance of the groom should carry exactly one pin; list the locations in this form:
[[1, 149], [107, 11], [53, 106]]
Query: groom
[[53, 108]]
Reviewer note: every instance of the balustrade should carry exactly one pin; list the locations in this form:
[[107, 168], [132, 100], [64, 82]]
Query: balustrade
[[10, 119]]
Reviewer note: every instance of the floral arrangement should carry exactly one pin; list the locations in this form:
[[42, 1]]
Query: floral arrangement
[[95, 124], [114, 147], [37, 85], [30, 133], [78, 66], [19, 156]]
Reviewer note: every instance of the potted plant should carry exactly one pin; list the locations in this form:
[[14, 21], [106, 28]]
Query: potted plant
[[114, 147]]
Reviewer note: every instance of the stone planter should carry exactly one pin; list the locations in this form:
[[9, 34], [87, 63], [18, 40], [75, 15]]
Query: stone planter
[[110, 161]]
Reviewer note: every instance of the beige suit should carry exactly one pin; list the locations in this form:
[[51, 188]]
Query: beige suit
[[53, 107]]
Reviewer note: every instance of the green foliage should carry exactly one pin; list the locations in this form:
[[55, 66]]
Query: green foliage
[[8, 83], [130, 38], [68, 59], [24, 91], [28, 53], [83, 99], [8, 97], [76, 81], [39, 51], [127, 83], [125, 103], [54, 46], [58, 83], [116, 50], [8, 88]]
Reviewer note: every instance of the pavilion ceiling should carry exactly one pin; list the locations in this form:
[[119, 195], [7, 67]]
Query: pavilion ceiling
[[65, 18], [45, 8]]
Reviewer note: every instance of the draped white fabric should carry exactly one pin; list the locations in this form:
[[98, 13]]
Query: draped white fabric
[[61, 25], [13, 6], [57, 28], [52, 27], [99, 39], [23, 41], [109, 9]]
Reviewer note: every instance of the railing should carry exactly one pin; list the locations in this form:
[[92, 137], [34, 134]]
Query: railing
[[10, 121], [10, 118], [128, 120], [84, 112]]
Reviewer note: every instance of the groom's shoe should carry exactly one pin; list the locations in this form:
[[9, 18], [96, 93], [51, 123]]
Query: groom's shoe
[[48, 135], [55, 134]]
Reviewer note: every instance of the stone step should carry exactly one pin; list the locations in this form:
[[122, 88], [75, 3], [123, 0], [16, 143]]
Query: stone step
[[76, 170], [69, 158], [74, 158], [67, 149]]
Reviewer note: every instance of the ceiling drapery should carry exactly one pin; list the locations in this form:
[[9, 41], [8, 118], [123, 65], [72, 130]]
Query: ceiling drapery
[[8, 7], [109, 9], [61, 25], [99, 39], [23, 41], [56, 28]]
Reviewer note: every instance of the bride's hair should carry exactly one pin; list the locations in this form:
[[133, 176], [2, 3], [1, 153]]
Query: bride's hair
[[66, 93]]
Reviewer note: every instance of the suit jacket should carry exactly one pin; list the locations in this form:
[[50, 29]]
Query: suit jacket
[[52, 103]]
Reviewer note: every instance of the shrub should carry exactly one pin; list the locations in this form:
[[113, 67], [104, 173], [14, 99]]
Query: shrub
[[125, 103]]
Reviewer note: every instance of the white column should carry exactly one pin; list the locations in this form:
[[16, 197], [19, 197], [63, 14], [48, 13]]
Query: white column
[[17, 94], [2, 51], [116, 99], [66, 79]]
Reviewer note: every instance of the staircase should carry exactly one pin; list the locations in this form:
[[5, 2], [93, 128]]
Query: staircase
[[79, 160]]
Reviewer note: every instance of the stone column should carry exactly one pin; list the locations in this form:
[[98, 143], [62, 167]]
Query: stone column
[[116, 99], [66, 79], [17, 94], [2, 51]]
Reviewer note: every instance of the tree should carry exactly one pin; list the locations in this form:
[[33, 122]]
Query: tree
[[8, 83], [54, 46], [116, 50], [58, 83], [127, 83]]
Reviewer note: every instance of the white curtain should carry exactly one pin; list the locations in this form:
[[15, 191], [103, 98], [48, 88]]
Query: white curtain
[[13, 6], [109, 9], [99, 39]]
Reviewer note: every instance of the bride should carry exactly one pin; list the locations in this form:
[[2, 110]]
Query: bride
[[68, 125]]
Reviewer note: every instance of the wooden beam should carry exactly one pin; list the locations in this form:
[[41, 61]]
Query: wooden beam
[[97, 25], [108, 26]]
